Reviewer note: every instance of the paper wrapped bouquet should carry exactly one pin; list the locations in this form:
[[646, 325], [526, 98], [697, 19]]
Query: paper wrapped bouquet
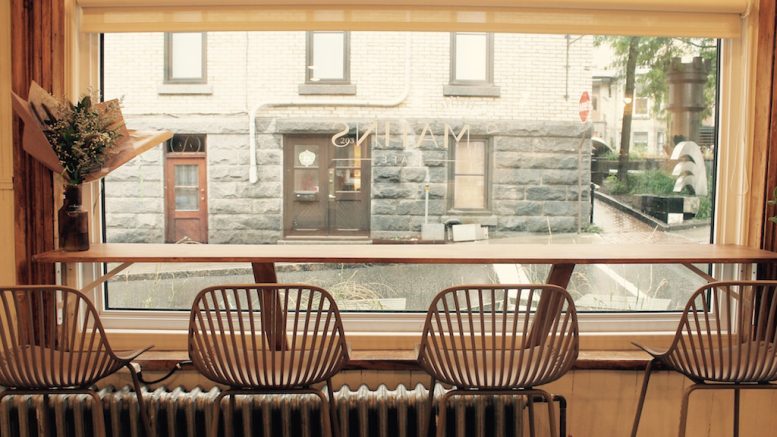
[[129, 144]]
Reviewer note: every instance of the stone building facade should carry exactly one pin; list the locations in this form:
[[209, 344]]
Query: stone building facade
[[387, 139]]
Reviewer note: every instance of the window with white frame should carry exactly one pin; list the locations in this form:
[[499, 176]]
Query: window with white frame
[[186, 57], [377, 169]]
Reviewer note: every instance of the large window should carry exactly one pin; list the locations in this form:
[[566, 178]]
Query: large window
[[185, 57], [401, 158]]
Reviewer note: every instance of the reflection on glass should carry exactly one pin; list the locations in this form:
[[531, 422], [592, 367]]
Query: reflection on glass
[[186, 55], [471, 56], [187, 187], [328, 56]]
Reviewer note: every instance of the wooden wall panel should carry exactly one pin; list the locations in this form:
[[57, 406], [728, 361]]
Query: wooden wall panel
[[38, 47]]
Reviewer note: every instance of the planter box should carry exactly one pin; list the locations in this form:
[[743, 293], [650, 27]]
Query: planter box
[[669, 209], [471, 232]]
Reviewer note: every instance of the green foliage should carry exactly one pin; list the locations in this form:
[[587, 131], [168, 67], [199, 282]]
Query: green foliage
[[81, 137], [650, 182], [655, 54]]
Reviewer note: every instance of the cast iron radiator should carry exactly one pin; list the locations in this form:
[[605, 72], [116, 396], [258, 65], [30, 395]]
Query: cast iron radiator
[[177, 412]]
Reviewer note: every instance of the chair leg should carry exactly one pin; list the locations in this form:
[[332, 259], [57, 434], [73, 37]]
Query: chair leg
[[562, 419], [551, 413], [684, 410], [333, 416], [429, 408], [141, 406], [442, 408], [44, 425], [736, 412], [642, 395], [229, 416], [326, 426], [214, 417], [530, 406], [98, 419]]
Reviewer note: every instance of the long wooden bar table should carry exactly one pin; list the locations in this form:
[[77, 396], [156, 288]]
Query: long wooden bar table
[[562, 257]]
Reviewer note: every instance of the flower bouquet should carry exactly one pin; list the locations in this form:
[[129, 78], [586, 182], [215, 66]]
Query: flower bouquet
[[83, 142]]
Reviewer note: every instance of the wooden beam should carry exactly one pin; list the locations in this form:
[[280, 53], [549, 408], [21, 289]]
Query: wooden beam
[[273, 322]]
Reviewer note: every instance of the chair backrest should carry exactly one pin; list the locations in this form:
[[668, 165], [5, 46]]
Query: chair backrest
[[727, 333], [51, 337], [266, 335], [480, 336]]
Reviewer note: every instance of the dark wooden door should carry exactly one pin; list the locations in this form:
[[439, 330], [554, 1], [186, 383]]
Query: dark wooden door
[[186, 199], [326, 187]]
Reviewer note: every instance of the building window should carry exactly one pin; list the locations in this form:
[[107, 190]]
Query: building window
[[469, 175], [471, 65], [328, 58], [640, 142], [186, 57], [472, 58]]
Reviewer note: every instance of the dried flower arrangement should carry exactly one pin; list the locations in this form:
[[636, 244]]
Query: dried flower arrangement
[[82, 136], [83, 142]]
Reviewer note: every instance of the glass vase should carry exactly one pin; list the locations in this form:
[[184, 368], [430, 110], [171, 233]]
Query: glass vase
[[73, 222]]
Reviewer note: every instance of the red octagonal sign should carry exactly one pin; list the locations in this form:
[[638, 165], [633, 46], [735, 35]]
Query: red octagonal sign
[[585, 106]]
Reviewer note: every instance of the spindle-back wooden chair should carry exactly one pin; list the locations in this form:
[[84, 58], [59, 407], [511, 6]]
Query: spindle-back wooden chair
[[726, 339], [52, 342], [268, 339], [478, 338]]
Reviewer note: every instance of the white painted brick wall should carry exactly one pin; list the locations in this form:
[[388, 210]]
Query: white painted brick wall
[[246, 69]]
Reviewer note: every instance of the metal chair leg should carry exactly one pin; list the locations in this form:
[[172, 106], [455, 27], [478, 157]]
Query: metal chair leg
[[333, 416], [429, 409], [736, 412], [530, 406], [442, 408], [326, 426], [562, 419], [146, 423], [551, 414], [684, 410], [98, 419], [214, 418], [642, 395]]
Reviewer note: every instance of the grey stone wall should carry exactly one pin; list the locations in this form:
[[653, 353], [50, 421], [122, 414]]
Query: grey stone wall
[[534, 178]]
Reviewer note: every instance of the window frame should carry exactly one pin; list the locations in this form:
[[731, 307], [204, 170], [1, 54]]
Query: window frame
[[613, 323], [346, 80], [487, 177], [168, 63], [489, 81]]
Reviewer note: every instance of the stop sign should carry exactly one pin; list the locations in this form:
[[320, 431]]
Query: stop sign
[[585, 106]]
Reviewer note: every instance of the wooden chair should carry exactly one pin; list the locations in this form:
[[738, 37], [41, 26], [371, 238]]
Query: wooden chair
[[725, 340], [52, 342], [491, 340], [268, 339]]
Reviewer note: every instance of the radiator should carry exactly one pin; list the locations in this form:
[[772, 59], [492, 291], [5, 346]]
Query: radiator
[[178, 412]]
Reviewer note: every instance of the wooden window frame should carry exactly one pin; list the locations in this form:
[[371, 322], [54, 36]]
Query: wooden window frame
[[489, 60], [346, 80], [169, 79], [487, 175]]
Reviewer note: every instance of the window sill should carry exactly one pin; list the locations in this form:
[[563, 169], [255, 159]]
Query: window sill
[[330, 89], [471, 91], [184, 89], [405, 360]]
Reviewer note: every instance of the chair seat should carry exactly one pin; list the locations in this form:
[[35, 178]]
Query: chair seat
[[749, 362], [38, 367], [496, 369], [265, 369]]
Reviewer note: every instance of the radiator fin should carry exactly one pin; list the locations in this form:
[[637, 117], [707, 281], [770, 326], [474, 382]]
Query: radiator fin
[[180, 413]]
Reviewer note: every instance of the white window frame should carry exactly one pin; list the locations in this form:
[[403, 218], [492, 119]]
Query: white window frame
[[615, 323]]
